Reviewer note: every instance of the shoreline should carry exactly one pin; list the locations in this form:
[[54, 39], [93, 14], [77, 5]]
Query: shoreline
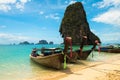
[[108, 69]]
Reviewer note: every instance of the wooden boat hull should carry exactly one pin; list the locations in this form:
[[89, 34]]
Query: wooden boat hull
[[73, 58], [76, 55], [114, 50], [105, 49], [84, 54], [52, 61], [110, 49]]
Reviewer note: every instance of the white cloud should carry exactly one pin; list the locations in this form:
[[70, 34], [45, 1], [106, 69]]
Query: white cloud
[[53, 16], [7, 38], [20, 6], [4, 7], [12, 37], [41, 12], [7, 5], [112, 15], [7, 1], [72, 2], [23, 1], [107, 3]]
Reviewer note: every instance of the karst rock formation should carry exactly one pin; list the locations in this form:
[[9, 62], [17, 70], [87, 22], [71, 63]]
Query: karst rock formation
[[74, 24]]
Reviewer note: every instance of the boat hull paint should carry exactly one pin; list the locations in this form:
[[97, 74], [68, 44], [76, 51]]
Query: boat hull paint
[[84, 54], [52, 61]]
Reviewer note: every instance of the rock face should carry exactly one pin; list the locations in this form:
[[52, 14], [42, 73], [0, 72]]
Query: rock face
[[51, 42], [43, 42], [25, 43], [74, 24]]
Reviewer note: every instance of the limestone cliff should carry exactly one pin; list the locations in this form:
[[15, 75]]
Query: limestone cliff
[[74, 24]]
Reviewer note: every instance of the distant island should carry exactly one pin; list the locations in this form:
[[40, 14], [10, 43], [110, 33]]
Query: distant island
[[40, 42], [25, 43]]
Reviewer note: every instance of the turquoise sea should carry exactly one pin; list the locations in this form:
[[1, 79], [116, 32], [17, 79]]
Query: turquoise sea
[[15, 63]]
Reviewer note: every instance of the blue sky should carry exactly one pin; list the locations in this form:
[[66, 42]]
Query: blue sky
[[34, 20]]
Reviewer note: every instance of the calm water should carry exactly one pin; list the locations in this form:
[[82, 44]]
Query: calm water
[[15, 63]]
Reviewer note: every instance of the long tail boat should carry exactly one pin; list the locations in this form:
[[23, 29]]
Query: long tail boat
[[51, 57], [79, 53], [54, 57], [84, 55], [71, 55], [109, 49], [114, 50], [105, 48]]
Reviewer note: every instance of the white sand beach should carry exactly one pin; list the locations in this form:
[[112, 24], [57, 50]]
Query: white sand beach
[[103, 66], [108, 69]]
